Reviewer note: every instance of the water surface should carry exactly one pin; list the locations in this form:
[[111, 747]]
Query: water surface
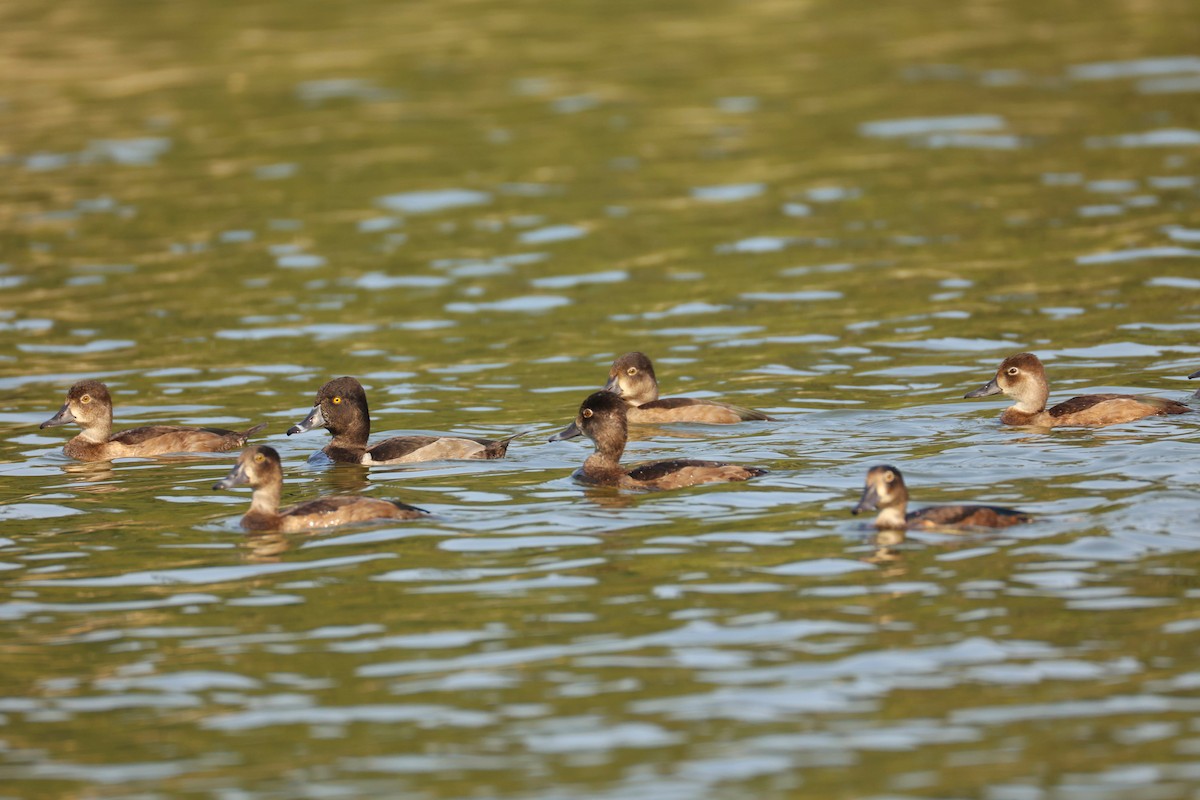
[[843, 219]]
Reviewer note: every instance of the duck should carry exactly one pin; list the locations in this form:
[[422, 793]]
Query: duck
[[602, 418], [885, 491], [341, 407], [1193, 376], [632, 378], [89, 405], [1023, 378], [259, 468]]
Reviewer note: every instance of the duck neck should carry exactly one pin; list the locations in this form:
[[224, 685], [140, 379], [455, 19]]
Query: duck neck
[[644, 392], [98, 430], [891, 518], [265, 501], [343, 453], [599, 462], [1032, 401], [601, 470], [604, 465], [610, 446], [1014, 416], [353, 436]]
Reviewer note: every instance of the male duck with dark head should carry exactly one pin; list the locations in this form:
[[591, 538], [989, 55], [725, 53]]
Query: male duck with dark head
[[260, 469], [602, 419], [1023, 378], [89, 406], [632, 379], [885, 491], [341, 407]]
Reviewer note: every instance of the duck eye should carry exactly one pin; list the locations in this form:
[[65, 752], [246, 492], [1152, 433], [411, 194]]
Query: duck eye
[[258, 458], [1013, 370], [889, 476], [587, 413], [87, 398], [337, 400], [631, 371]]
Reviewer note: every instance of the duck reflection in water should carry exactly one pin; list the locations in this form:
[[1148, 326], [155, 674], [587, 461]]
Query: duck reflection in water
[[96, 473], [265, 547]]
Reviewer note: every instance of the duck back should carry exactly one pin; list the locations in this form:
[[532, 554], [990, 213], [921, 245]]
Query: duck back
[[678, 473], [156, 440], [327, 512], [967, 516], [1108, 409], [690, 409], [407, 449]]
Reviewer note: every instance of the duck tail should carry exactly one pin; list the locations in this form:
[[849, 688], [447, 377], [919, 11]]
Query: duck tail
[[499, 447], [1165, 406], [246, 434]]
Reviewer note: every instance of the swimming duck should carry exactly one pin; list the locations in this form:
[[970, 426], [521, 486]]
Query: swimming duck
[[341, 407], [259, 468], [632, 379], [1023, 378], [602, 419], [885, 490], [89, 406]]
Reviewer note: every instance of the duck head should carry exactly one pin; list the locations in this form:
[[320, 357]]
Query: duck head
[[601, 418], [1023, 378], [884, 491], [631, 378], [340, 405], [256, 466], [88, 405]]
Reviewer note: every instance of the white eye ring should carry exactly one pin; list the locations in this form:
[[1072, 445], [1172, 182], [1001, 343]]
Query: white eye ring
[[889, 476], [1013, 370], [631, 371], [587, 413]]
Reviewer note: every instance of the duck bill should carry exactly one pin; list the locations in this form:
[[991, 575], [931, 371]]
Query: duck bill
[[315, 419], [989, 388], [1195, 374], [236, 477], [613, 385], [868, 502], [63, 417], [569, 432]]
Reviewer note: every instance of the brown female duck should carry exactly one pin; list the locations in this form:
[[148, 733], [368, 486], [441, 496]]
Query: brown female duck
[[341, 407], [259, 468], [885, 490], [632, 379], [602, 419], [1023, 378], [89, 406]]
